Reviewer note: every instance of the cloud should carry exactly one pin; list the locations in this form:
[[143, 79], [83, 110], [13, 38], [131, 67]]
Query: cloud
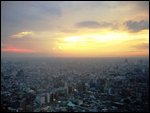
[[92, 24], [30, 10], [88, 24], [69, 30], [22, 34], [136, 26], [142, 46], [142, 5], [16, 15]]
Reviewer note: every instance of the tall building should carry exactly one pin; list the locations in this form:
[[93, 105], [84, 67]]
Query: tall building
[[80, 86], [70, 90], [51, 97], [48, 98], [27, 104], [41, 99]]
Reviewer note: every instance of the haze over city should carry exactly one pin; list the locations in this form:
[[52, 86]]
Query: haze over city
[[75, 28]]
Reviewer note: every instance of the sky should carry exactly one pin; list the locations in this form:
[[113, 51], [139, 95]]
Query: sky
[[75, 28]]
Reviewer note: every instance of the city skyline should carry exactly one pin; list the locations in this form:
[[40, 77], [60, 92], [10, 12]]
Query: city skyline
[[75, 28]]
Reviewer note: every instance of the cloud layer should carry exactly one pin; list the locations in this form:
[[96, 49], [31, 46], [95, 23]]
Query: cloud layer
[[39, 25]]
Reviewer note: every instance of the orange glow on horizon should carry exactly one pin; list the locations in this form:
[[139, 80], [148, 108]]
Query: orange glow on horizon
[[17, 50]]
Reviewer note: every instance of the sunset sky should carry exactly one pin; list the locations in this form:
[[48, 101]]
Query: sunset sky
[[75, 28]]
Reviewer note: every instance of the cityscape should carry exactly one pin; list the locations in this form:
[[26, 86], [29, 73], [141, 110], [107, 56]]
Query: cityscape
[[75, 85], [75, 56]]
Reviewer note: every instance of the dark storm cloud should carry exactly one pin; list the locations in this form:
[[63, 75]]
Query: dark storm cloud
[[92, 24], [136, 26]]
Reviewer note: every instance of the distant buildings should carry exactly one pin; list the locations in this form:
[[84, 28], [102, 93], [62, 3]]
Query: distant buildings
[[75, 87]]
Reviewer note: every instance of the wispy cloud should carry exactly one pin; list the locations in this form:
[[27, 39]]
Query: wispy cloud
[[142, 46], [136, 26], [22, 34], [69, 30], [92, 24], [88, 24]]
